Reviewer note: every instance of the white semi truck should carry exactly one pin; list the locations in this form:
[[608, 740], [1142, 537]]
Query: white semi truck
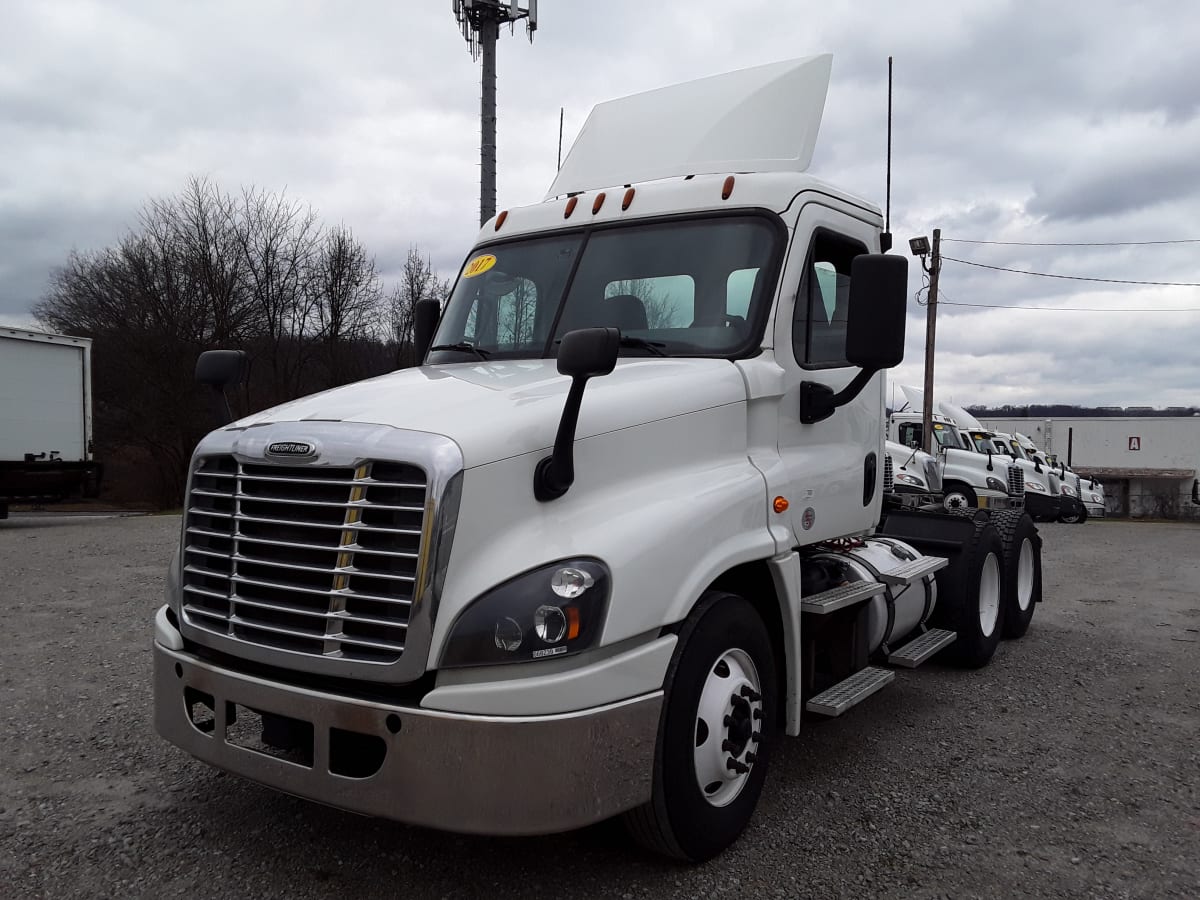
[[969, 480], [587, 562], [45, 418]]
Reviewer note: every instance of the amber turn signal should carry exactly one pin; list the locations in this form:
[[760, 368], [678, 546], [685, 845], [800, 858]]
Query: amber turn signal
[[780, 504]]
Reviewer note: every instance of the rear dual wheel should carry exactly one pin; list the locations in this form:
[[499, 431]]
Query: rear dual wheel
[[971, 597], [1023, 569]]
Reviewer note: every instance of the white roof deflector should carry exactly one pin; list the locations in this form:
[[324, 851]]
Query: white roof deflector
[[763, 119]]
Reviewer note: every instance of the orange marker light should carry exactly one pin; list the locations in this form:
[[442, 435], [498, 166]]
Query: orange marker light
[[572, 622], [780, 504], [628, 199], [570, 207], [500, 219], [597, 203], [727, 188]]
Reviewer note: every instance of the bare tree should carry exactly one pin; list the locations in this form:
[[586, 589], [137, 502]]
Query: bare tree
[[347, 298], [418, 281]]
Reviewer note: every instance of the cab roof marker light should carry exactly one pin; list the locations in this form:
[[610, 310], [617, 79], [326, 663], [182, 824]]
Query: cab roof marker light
[[570, 207], [727, 188], [627, 199], [500, 219], [597, 203]]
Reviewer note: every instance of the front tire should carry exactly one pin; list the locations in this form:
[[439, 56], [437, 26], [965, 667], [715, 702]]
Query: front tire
[[716, 733], [957, 495]]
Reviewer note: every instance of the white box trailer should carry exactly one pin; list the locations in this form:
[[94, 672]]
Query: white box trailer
[[45, 418]]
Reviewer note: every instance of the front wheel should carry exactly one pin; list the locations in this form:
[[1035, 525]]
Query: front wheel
[[715, 736], [959, 496]]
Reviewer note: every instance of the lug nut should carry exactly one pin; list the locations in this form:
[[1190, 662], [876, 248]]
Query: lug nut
[[749, 692], [751, 758], [729, 720], [758, 714], [728, 746]]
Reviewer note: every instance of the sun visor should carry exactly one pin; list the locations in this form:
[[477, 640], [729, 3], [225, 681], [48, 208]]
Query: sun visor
[[762, 119]]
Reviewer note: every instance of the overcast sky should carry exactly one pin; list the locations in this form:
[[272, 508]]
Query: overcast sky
[[1062, 122]]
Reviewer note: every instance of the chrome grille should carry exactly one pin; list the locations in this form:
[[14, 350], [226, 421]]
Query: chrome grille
[[889, 474], [933, 475], [1016, 481], [314, 560]]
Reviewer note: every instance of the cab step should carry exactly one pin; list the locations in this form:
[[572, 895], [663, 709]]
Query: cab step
[[920, 649], [913, 571], [841, 596], [845, 694]]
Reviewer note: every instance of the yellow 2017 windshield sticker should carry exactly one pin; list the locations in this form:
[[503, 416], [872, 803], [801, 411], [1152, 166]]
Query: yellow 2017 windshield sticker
[[479, 265]]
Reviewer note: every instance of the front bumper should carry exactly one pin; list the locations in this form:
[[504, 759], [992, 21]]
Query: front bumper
[[468, 773], [1042, 506], [995, 500], [1095, 510]]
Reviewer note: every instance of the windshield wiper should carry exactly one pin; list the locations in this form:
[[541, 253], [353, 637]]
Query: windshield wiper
[[463, 347], [654, 347]]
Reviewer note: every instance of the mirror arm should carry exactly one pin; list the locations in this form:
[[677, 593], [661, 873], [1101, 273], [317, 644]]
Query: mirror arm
[[818, 401], [555, 473]]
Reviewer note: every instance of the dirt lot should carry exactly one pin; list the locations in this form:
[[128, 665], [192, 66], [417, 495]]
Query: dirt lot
[[1068, 768]]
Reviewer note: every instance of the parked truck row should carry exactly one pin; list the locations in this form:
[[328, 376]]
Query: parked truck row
[[583, 563]]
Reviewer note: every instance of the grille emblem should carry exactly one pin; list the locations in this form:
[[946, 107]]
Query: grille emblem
[[291, 449]]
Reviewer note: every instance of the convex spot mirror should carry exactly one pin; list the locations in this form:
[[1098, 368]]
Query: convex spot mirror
[[875, 322], [222, 368], [589, 352]]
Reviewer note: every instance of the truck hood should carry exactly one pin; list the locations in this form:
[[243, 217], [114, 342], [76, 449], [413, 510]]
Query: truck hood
[[497, 410]]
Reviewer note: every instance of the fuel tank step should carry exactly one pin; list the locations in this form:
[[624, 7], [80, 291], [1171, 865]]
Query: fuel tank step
[[845, 694], [920, 649], [913, 571], [841, 596]]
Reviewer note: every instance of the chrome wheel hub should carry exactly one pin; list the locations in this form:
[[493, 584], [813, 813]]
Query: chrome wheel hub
[[728, 727]]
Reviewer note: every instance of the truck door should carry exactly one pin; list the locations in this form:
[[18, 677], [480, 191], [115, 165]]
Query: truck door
[[834, 467]]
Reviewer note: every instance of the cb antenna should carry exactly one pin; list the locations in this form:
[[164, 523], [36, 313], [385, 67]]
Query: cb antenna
[[885, 239]]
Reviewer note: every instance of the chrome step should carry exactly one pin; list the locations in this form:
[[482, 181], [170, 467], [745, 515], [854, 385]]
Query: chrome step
[[917, 651], [913, 571], [840, 597], [847, 693]]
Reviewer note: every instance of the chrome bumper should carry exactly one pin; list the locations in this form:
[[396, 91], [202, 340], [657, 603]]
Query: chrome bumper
[[474, 774]]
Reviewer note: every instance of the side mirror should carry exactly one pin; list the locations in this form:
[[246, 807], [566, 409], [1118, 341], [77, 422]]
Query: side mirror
[[589, 352], [425, 320], [875, 325], [874, 331], [220, 369], [583, 354]]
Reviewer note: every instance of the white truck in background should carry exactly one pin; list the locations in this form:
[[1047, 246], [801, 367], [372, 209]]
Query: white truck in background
[[969, 480], [584, 563], [45, 418]]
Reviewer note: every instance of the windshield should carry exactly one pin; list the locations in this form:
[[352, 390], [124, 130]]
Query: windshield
[[1017, 451], [982, 441], [945, 435], [691, 288]]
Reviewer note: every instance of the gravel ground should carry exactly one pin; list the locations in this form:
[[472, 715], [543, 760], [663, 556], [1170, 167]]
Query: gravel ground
[[1067, 768]]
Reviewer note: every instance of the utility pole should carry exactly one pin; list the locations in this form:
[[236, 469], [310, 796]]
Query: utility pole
[[480, 21], [935, 268]]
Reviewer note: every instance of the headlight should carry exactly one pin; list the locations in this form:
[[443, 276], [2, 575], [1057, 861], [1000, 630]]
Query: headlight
[[552, 611], [1036, 487], [906, 478], [996, 484], [1068, 490], [1096, 498]]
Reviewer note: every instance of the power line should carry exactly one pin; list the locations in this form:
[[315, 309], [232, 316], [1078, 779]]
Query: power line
[[1163, 309], [967, 262], [1072, 244]]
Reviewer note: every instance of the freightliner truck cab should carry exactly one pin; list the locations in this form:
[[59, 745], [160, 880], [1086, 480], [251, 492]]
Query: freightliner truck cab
[[622, 530]]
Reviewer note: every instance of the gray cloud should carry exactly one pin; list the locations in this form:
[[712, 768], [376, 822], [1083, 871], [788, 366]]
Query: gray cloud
[[1010, 124]]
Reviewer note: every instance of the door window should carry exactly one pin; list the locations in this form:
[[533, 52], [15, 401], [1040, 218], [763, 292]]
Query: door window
[[823, 302]]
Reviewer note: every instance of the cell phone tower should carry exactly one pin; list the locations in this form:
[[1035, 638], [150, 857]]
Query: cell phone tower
[[480, 21]]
